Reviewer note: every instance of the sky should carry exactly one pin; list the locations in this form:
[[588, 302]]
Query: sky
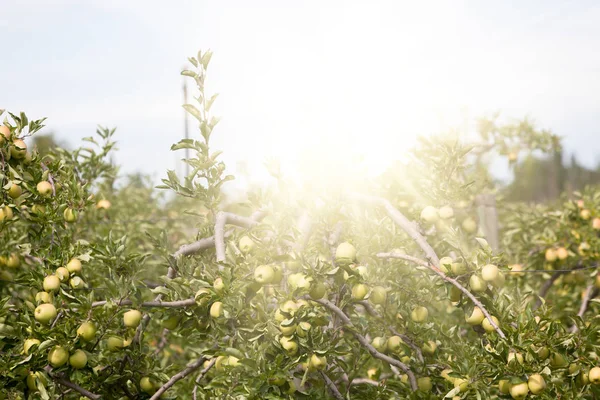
[[344, 84]]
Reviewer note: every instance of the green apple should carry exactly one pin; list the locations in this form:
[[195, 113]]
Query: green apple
[[359, 291], [461, 384], [147, 385], [44, 188], [489, 272], [28, 344], [458, 268], [550, 255], [171, 322], [519, 391], [14, 261], [429, 348], [87, 331], [562, 253], [429, 214], [419, 314], [58, 356], [380, 344], [216, 309], [446, 264], [504, 386], [536, 383], [289, 307], [132, 318], [455, 294], [487, 326], [594, 375], [203, 296], [264, 274], [289, 345], [394, 343], [14, 190], [114, 343], [469, 225], [317, 290], [378, 295], [476, 317], [246, 244], [45, 313], [62, 273], [74, 265], [585, 214], [543, 353], [219, 285], [477, 284], [6, 213], [287, 330], [557, 360], [424, 384], [303, 329], [33, 378], [345, 253], [515, 357], [19, 149], [51, 283], [317, 362], [446, 212], [78, 359], [70, 215], [43, 297], [76, 282]]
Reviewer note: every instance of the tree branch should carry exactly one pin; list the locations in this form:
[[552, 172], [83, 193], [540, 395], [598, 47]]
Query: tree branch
[[67, 383], [202, 373], [228, 218], [332, 388], [148, 304], [590, 293], [177, 377], [447, 279], [365, 343]]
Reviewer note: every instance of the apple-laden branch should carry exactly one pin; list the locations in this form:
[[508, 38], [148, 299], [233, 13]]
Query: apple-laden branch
[[445, 277], [182, 374], [67, 383], [232, 219], [433, 260], [332, 388], [365, 343], [150, 304]]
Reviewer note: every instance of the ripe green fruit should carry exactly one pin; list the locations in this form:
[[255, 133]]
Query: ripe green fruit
[[132, 318], [289, 345], [287, 330], [359, 291], [289, 307], [380, 344], [264, 274], [216, 309], [477, 284], [446, 264], [519, 391], [246, 244], [461, 384], [78, 359], [562, 253], [504, 386], [536, 383], [458, 268], [171, 322], [446, 212], [543, 353], [45, 313], [489, 272], [424, 384], [299, 280], [219, 285], [303, 329], [147, 385], [487, 326], [469, 225], [58, 356], [14, 261], [74, 265], [317, 363], [70, 215], [419, 314], [476, 317], [33, 378], [6, 213], [19, 149], [317, 290], [429, 348], [14, 191], [550, 255], [43, 297], [594, 375], [455, 294], [394, 343], [62, 273], [512, 357], [429, 214], [114, 343], [77, 283], [87, 331], [345, 253], [28, 344], [557, 360], [378, 295], [44, 188], [51, 283]]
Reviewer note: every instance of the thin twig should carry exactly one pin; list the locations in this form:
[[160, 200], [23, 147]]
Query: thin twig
[[202, 373], [365, 343], [67, 383], [332, 388], [177, 377], [147, 304], [450, 280], [590, 293], [228, 218]]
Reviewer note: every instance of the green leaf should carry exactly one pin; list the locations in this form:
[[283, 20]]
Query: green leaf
[[194, 111]]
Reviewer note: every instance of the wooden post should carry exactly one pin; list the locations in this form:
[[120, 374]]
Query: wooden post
[[488, 219]]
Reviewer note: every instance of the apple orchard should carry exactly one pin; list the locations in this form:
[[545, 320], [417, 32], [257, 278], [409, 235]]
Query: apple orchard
[[385, 288]]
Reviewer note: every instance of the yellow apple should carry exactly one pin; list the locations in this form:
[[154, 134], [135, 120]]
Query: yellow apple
[[58, 356], [18, 149], [33, 378], [489, 272], [45, 313], [551, 255], [455, 294], [51, 283], [504, 386], [74, 265], [44, 188], [14, 260], [43, 297], [14, 190], [78, 359], [446, 264], [429, 348], [458, 268], [28, 344], [132, 318], [557, 360], [516, 270], [585, 214], [289, 345], [345, 253], [219, 285], [70, 215], [380, 344], [477, 284], [583, 248], [536, 383], [487, 326], [519, 391], [317, 290], [359, 291], [147, 385], [76, 282], [594, 375], [287, 330], [303, 329], [446, 212], [114, 343], [87, 331], [103, 204], [429, 214], [264, 274], [317, 362], [424, 384], [246, 244], [461, 384], [596, 223], [6, 213], [378, 295], [216, 309], [62, 273], [469, 225], [419, 314]]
